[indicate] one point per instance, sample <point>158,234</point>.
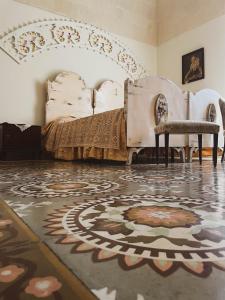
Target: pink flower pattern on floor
<point>42,287</point>
<point>161,216</point>
<point>10,273</point>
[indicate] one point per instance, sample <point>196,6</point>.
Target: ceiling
<point>149,21</point>
<point>177,16</point>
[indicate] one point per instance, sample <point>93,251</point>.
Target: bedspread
<point>101,136</point>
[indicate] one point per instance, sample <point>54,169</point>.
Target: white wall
<point>211,36</point>
<point>23,92</point>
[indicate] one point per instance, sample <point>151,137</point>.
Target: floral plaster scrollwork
<point>66,34</point>
<point>36,37</point>
<point>29,42</point>
<point>100,42</point>
<point>128,61</point>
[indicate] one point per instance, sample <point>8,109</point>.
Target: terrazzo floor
<point>140,232</point>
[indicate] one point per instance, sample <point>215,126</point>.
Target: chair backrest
<point>222,108</point>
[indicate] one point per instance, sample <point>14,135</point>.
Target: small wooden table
<point>18,142</point>
<point>187,127</point>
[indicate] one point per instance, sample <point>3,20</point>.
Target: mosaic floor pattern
<point>140,232</point>
<point>28,269</point>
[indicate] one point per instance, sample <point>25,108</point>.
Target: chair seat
<point>187,126</point>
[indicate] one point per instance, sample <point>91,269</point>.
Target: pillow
<point>66,119</point>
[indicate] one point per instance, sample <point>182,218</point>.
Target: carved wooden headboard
<point>109,96</point>
<point>140,118</point>
<point>198,104</point>
<point>68,96</point>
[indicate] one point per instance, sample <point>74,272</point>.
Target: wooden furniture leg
<point>222,158</point>
<point>166,149</point>
<point>131,151</point>
<point>215,147</point>
<point>200,148</point>
<point>172,155</point>
<point>157,147</point>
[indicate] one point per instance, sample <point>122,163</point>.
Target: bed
<point>112,122</point>
<point>85,123</point>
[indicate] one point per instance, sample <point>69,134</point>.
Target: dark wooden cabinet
<point>17,144</point>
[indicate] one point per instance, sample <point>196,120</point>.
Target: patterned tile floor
<point>29,269</point>
<point>138,232</point>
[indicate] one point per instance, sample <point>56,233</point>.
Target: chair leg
<point>166,149</point>
<point>172,155</point>
<point>222,159</point>
<point>157,147</point>
<point>215,147</point>
<point>200,148</point>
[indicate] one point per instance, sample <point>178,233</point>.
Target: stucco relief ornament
<point>37,36</point>
<point>128,61</point>
<point>29,42</point>
<point>100,42</point>
<point>65,34</point>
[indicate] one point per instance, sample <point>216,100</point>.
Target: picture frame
<point>193,66</point>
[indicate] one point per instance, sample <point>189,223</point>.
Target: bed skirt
<point>102,136</point>
<point>90,152</point>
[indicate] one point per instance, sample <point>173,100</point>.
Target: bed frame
<point>68,96</point>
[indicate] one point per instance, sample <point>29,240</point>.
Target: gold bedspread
<point>101,136</point>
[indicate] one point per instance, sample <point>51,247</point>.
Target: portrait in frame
<point>193,68</point>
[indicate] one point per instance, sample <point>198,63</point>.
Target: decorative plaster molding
<point>25,41</point>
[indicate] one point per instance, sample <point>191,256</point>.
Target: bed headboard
<point>68,96</point>
<point>198,106</point>
<point>109,96</point>
<point>141,96</point>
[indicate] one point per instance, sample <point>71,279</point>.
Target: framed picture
<point>193,66</point>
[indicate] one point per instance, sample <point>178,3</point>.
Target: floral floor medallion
<point>63,187</point>
<point>164,232</point>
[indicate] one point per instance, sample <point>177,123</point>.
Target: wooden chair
<point>187,127</point>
